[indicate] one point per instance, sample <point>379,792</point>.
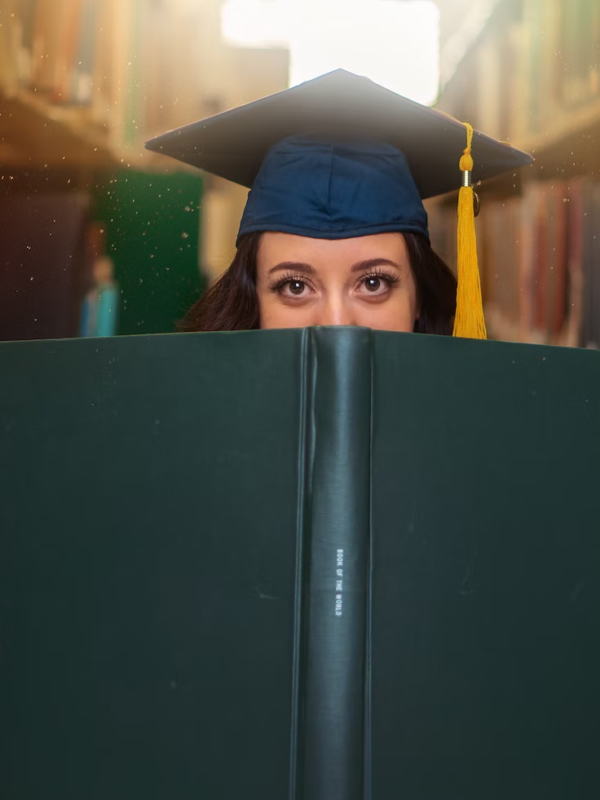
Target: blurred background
<point>100,237</point>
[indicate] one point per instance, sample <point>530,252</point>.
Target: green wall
<point>152,234</point>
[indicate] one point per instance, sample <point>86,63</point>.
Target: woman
<point>334,231</point>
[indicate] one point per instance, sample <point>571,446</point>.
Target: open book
<point>322,564</point>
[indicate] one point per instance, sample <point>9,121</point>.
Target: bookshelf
<point>83,84</point>
<point>38,134</point>
<point>76,69</point>
<point>114,73</point>
<point>532,78</point>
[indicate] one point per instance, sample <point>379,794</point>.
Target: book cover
<point>321,564</point>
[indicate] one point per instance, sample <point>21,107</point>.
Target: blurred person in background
<point>100,304</point>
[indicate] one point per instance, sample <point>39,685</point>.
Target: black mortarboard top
<point>340,156</point>
<point>234,143</point>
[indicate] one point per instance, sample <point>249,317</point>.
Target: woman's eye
<point>296,287</point>
<point>376,285</point>
<point>373,284</point>
<point>292,287</point>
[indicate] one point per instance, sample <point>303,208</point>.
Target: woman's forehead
<point>276,246</point>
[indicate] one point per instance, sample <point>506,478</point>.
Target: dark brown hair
<point>231,304</point>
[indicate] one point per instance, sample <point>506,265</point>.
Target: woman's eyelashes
<point>370,285</point>
<point>377,283</point>
<point>292,286</point>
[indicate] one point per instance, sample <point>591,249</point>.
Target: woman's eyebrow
<point>374,262</point>
<point>293,266</point>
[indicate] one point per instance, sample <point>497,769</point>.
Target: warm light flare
<point>394,43</point>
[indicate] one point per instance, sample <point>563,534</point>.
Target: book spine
<point>336,567</point>
<point>575,263</point>
<point>82,89</point>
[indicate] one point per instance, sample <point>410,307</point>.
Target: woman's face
<point>364,281</point>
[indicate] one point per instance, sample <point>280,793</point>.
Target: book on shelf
<point>82,68</point>
<point>321,564</point>
<point>45,44</point>
<point>533,73</point>
<point>562,67</point>
<point>540,263</point>
<point>68,29</point>
<point>100,56</point>
<point>591,265</point>
<point>578,24</point>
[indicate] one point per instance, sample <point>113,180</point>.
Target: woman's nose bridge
<point>337,310</point>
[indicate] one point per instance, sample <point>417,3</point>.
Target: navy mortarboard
<point>339,157</point>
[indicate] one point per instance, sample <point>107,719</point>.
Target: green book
<point>321,564</point>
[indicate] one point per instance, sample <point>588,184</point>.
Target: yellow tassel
<point>469,320</point>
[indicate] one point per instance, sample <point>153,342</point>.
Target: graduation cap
<point>340,156</point>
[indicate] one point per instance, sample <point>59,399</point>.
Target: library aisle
<point>532,78</point>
